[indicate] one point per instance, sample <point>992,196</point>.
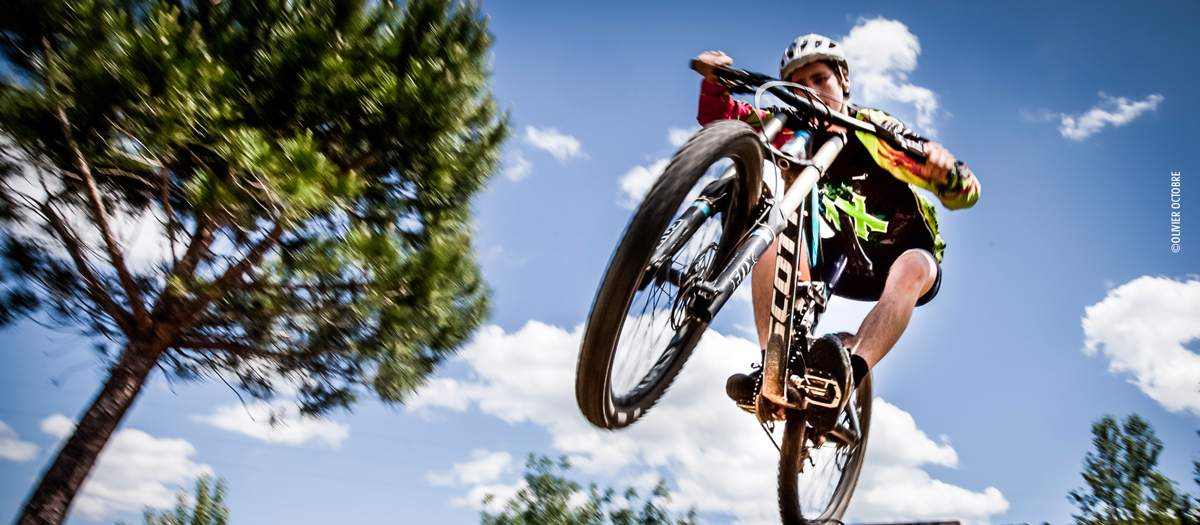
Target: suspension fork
<point>713,295</point>
<point>712,198</point>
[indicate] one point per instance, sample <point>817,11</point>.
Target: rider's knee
<point>917,266</point>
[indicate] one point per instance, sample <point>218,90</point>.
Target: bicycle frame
<point>712,295</point>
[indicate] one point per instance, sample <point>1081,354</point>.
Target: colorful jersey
<point>871,181</point>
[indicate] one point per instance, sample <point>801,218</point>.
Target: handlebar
<point>740,81</point>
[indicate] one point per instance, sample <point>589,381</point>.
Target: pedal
<point>821,389</point>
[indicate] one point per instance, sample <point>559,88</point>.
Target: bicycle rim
<point>659,323</point>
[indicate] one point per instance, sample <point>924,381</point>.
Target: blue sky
<point>1061,300</point>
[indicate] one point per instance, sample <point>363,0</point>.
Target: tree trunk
<point>49,503</point>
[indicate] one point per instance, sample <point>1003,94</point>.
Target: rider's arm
<point>717,104</point>
<point>960,190</point>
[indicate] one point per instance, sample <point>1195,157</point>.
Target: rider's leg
<point>910,277</point>
<point>762,290</point>
<point>742,387</point>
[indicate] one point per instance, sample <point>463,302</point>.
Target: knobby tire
<point>682,179</point>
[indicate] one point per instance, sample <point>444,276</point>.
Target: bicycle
<point>692,241</point>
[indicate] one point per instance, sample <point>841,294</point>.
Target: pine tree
<point>1124,487</point>
<point>546,500</point>
<point>206,507</point>
<point>309,165</point>
<point>1189,507</point>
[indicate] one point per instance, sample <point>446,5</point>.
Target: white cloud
<point>636,183</point>
<point>894,487</point>
<point>1142,327</point>
<point>881,53</point>
<point>496,494</point>
<point>58,425</point>
<point>563,147</point>
<point>135,470</point>
<point>278,422</point>
<point>11,446</point>
<point>717,455</point>
<point>484,467</point>
<point>516,167</point>
<point>679,136</point>
<point>1115,111</point>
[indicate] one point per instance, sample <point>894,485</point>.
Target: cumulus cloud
<point>484,467</point>
<point>516,167</point>
<point>636,183</point>
<point>678,136</point>
<point>135,470</point>
<point>11,446</point>
<point>1117,112</point>
<point>563,147</point>
<point>1142,327</point>
<point>894,486</point>
<point>489,497</point>
<point>716,454</point>
<point>278,422</point>
<point>881,53</point>
<point>58,425</point>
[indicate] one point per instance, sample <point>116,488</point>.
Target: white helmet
<point>808,49</point>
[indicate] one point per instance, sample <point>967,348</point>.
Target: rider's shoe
<point>828,381</point>
<point>743,388</point>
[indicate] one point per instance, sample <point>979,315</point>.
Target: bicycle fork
<point>713,295</point>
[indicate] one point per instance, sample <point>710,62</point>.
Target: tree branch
<point>169,213</point>
<point>94,285</point>
<point>233,274</point>
<point>140,315</point>
<point>363,160</point>
<point>201,240</point>
<point>231,347</point>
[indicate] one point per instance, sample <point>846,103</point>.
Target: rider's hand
<point>938,163</point>
<point>708,61</point>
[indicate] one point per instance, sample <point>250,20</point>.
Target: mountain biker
<point>875,185</point>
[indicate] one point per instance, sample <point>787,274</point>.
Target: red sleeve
<point>717,104</point>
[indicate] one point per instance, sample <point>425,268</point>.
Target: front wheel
<point>817,481</point>
<point>641,328</point>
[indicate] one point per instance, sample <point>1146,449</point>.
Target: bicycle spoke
<point>659,313</point>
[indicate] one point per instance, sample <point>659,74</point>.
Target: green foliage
<point>1189,507</point>
<point>1124,487</point>
<point>311,162</point>
<point>206,507</point>
<point>547,500</point>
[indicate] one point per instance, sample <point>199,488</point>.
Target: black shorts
<point>863,287</point>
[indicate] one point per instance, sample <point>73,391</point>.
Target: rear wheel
<point>816,482</point>
<point>641,328</point>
